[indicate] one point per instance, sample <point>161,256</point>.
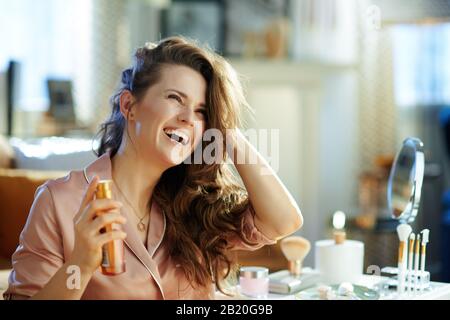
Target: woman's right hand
<point>95,215</point>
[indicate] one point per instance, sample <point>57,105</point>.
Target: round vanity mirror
<point>405,181</point>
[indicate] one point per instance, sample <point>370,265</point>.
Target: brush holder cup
<point>417,280</point>
<point>414,281</point>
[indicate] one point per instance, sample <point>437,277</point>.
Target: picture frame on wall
<point>61,100</point>
<point>248,21</point>
<point>201,20</point>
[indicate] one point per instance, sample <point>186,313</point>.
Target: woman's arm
<point>40,269</point>
<point>277,213</point>
<point>58,287</point>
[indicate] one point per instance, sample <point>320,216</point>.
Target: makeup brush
<point>425,239</point>
<point>412,237</point>
<point>295,249</point>
<point>403,231</point>
<point>416,261</point>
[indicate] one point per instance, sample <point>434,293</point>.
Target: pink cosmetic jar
<point>254,282</point>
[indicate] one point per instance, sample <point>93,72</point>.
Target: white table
<point>438,291</point>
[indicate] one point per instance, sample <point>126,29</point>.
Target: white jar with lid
<point>254,282</point>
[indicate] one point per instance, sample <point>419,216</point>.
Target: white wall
<point>339,142</point>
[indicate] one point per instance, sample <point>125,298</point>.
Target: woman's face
<point>170,119</point>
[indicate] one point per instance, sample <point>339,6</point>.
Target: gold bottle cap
<point>104,189</point>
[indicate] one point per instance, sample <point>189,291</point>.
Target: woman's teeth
<point>177,136</point>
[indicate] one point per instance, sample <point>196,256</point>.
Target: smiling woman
<point>179,220</point>
<point>175,107</point>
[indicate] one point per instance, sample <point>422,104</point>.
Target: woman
<point>179,220</point>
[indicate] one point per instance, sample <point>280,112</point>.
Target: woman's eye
<point>174,96</point>
<point>202,112</point>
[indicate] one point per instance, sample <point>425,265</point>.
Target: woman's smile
<point>177,136</point>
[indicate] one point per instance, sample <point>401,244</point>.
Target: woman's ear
<point>126,104</point>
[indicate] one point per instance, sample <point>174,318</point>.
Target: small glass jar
<point>254,282</point>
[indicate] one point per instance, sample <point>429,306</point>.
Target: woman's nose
<point>187,116</point>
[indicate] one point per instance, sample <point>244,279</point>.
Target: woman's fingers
<point>109,236</point>
<point>95,215</point>
<point>105,219</point>
<point>90,192</point>
<point>100,205</point>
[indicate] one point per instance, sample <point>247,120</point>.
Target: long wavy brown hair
<point>203,203</point>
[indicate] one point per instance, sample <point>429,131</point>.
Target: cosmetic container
<point>113,252</point>
<point>339,260</point>
<point>254,282</point>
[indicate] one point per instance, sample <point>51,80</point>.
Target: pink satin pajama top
<point>47,241</point>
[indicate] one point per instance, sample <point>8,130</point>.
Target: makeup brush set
<point>410,276</point>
